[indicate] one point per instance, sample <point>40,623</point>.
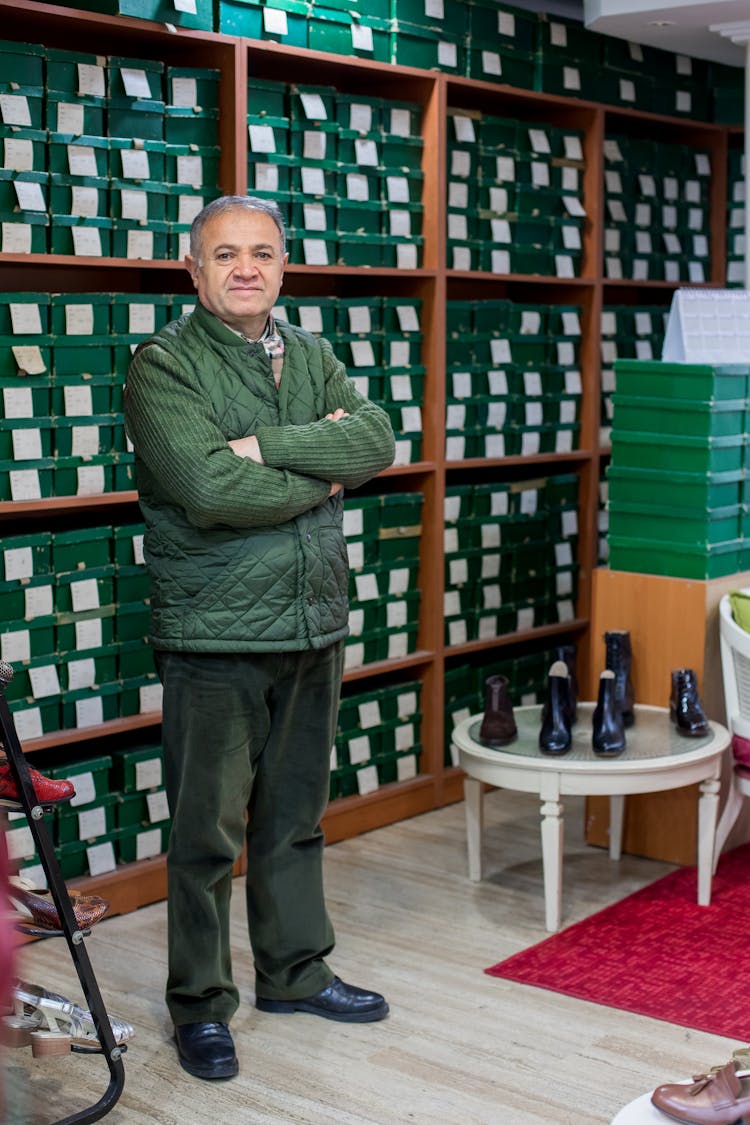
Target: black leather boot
<point>567,653</point>
<point>685,707</point>
<point>608,736</point>
<point>556,736</point>
<point>498,725</point>
<point>619,660</point>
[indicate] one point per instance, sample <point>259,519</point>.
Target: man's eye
<point>225,256</point>
<point>264,255</point>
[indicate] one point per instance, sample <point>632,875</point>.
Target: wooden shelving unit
<point>434,283</point>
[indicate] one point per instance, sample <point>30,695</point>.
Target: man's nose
<point>245,264</point>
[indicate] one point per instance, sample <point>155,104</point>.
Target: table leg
<point>552,840</point>
<point>474,802</point>
<point>616,818</point>
<point>708,807</point>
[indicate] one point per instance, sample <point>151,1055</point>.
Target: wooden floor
<point>459,1048</point>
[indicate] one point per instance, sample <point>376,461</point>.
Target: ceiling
<point>682,26</point>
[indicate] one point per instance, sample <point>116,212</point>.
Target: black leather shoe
<point>608,733</point>
<point>685,707</point>
<point>206,1050</point>
<point>337,1001</point>
<point>556,734</point>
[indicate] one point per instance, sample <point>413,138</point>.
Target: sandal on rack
<point>39,908</point>
<point>55,1024</point>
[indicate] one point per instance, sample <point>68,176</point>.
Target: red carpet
<point>658,953</point>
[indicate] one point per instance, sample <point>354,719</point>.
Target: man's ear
<point>192,267</point>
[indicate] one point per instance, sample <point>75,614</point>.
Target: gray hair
<point>234,203</point>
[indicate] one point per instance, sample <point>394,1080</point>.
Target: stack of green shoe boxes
<point>514,381</point>
<point>514,196</point>
<point>380,341</point>
<point>24,178</point>
<point>382,534</point>
<point>25,376</point>
<point>313,134</point>
<point>569,62</point>
<point>627,332</point>
<point>377,739</point>
<point>736,219</point>
<point>501,44</point>
<point>344,28</point>
<point>430,34</point>
<point>197,14</point>
<point>657,211</point>
<point>728,86</point>
<point>677,473</point>
<point>464,688</point>
<point>141,811</point>
<point>510,555</point>
<point>278,21</point>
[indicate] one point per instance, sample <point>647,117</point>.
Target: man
<point>246,431</point>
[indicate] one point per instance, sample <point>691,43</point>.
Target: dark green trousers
<point>249,733</point>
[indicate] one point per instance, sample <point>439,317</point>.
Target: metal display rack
<point>73,934</point>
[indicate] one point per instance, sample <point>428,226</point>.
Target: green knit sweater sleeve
<point>178,439</point>
<point>350,451</point>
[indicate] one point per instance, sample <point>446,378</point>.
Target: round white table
<point>656,758</point>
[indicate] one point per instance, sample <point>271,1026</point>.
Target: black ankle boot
<point>619,660</point>
<point>498,725</point>
<point>685,707</point>
<point>556,736</point>
<point>608,736</point>
<point>567,653</point>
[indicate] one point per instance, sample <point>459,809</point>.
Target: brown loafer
<point>717,1098</point>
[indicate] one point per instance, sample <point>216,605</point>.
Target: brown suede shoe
<point>718,1098</point>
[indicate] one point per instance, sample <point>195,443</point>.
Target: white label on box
<point>525,618</point>
<point>564,582</point>
<point>532,383</point>
<point>359,749</point>
<point>315,251</point>
<point>458,227</point>
<point>18,402</point>
<point>314,216</point>
<point>311,318</point>
<point>613,267</point>
<point>499,503</point>
<point>367,780</point>
<point>462,384</point>
<point>404,737</point>
<point>506,24</point>
<point>29,358</point>
<point>134,204</point>
<point>313,145</point>
<point>434,9</point>
<point>696,272</point>
<point>266,179</point>
<point>141,318</point>
<point>496,415</point>
<point>460,163</point>
<point>44,681</point>
<point>84,595</point>
<point>89,712</point>
<point>613,182</point>
<point>612,151</point>
<point>87,242</point>
<point>262,138</point>
<point>573,206</point>
<point>396,614</point>
<point>407,318</point>
<point>399,223</point>
<point>18,155</point>
<point>84,201</point>
<point>558,34</point>
<point>91,80</point>
<point>501,231</point>
<point>20,843</point>
<point>101,858</point>
<point>494,445</point>
<point>703,164</point>
<point>18,563</point>
<point>360,117</point>
<point>643,242</point>
<point>400,122</point>
<point>455,416</point>
<point>491,63</point>
<point>92,823</point>
<point>500,351</point>
<point>458,196</point>
<point>27,445</point>
<point>77,400</point>
<point>533,414</point>
<point>362,39</point>
<point>566,353</point>
<point>25,318</point>
<point>84,441</point>
<point>564,441</point>
<point>695,218</point>
<point>564,266</point>
<point>411,419</point>
<point>627,90</point>
<point>447,54</point>
<point>539,141</point>
<point>314,107</point>
<point>135,164</point>
<point>275,21</point>
<point>14,110</point>
<point>85,788</point>
<point>464,129</point>
<point>406,256</point>
<point>457,634</point>
<point>30,196</point>
<point>572,147</point>
<point>82,160</point>
<point>357,186</point>
<point>369,716</point>
<point>88,633</point>
<point>692,191</point>
<point>24,485</point>
<point>190,170</point>
<point>28,723</point>
<point>150,697</point>
<point>188,6</point>
<point>148,774</point>
<point>401,390</point>
<point>539,173</point>
<point>360,319</point>
<point>571,180</point>
<point>398,581</point>
<point>158,806</point>
<point>500,261</point>
<point>185,92</point>
<point>529,444</point>
<point>135,82</point>
<point>366,153</point>
<point>356,555</point>
<point>313,181</point>
<point>81,673</point>
<point>353,521</point>
<point>450,540</point>
<point>571,78</point>
<point>499,200</point>
<point>140,244</point>
<point>398,645</point>
<point>672,243</point>
<point>354,655</point>
<point>683,101</point>
<point>458,570</point>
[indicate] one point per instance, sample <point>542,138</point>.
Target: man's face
<point>238,275</point>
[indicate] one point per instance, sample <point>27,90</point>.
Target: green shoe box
<point>95,857</point>
<point>90,777</point>
<point>86,669</point>
<point>313,248</point>
<point>135,659</point>
<point>91,629</point>
<point>427,48</point>
<point>486,63</point>
<point>76,476</point>
<point>135,117</point>
<point>137,79</point>
<point>141,160</point>
<point>89,707</point>
<point>32,481</point>
<point>682,381</point>
<point>359,112</point>
<point>512,28</point>
<point>715,525</point>
<point>134,844</point>
<point>25,396</point>
<point>315,314</point>
<point>24,313</point>
<point>23,107</point>
<point>123,478</point>
<point>73,357</point>
<point>137,315</point>
<point>82,549</point>
<point>197,165</point>
<point>132,583</point>
<point>280,21</point>
<point>141,695</point>
<point>133,621</point>
<point>128,544</point>
<point>81,236</point>
<point>137,769</point>
<point>79,314</point>
<point>349,33</point>
<point>192,87</point>
<point>186,125</point>
<point>75,155</point>
<point>23,232</point>
<point>132,239</point>
<point>86,822</point>
<point>25,439</point>
<point>76,74</point>
<point>706,418</point>
<point>360,219</point>
<point>82,590</point>
<point>141,203</point>
<point>265,96</point>
<point>697,492</point>
<point>450,15</point>
<point>678,453</point>
<point>21,64</point>
<point>676,560</point>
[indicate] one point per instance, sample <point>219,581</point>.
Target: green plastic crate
<point>682,381</point>
<point>675,560</point>
<point>677,453</point>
